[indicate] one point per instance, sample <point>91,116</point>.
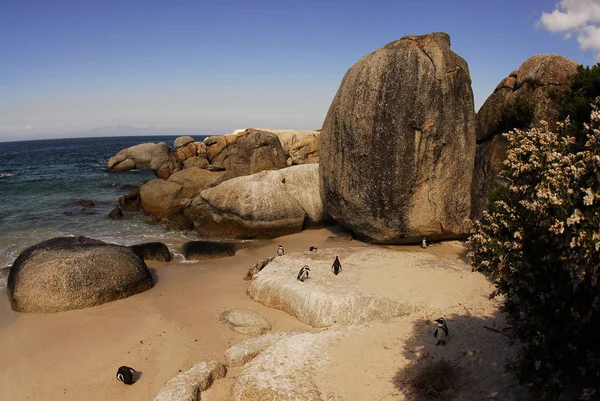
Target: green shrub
<point>516,115</point>
<point>540,244</point>
<point>576,103</point>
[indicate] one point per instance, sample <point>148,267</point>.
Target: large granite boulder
<point>246,153</point>
<point>195,179</point>
<point>158,156</point>
<point>72,273</point>
<point>182,141</point>
<point>300,146</point>
<point>152,251</point>
<point>161,198</point>
<point>203,249</point>
<point>398,143</point>
<point>264,205</point>
<point>533,89</point>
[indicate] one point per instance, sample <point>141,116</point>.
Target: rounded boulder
<point>68,273</point>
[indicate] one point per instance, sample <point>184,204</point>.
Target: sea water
<point>41,182</point>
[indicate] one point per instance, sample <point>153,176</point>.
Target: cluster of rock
<point>402,154</point>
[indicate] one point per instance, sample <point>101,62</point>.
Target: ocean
<point>41,182</point>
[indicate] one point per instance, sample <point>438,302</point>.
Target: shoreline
<point>74,355</point>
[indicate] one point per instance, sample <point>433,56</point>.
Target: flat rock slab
<point>376,283</point>
<point>285,370</point>
<point>187,385</point>
<point>242,353</point>
<point>246,322</point>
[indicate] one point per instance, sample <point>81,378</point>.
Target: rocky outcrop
<point>195,179</point>
<point>199,250</point>
<point>246,153</point>
<point>285,371</point>
<point>115,214</point>
<point>258,266</point>
<point>182,141</point>
<point>398,143</point>
<point>73,273</point>
<point>523,99</point>
<point>131,202</point>
<point>242,353</point>
<point>158,156</point>
<point>245,322</point>
<point>264,205</point>
<point>152,251</point>
<point>187,385</point>
<point>161,198</point>
<point>326,299</point>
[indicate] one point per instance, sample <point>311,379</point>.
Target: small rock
<point>131,202</point>
<point>85,203</point>
<point>152,251</point>
<point>245,322</point>
<point>115,214</point>
<point>197,250</point>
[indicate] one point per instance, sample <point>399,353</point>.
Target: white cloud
<point>578,18</point>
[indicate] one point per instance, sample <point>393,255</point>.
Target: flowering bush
<point>540,243</point>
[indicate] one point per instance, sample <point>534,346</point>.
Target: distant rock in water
<point>398,143</point>
<point>521,100</point>
<point>72,273</point>
<point>198,250</point>
<point>158,156</point>
<point>131,202</point>
<point>152,251</point>
<point>85,203</point>
<point>115,214</point>
<point>129,187</point>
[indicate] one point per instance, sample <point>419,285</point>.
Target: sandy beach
<point>74,355</point>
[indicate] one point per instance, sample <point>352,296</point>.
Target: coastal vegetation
<point>540,245</point>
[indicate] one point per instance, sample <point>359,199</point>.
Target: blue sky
<point>214,66</point>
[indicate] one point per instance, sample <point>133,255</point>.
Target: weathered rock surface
<point>300,146</point>
<point>326,299</point>
<point>161,198</point>
<point>245,322</point>
<point>72,273</point>
<point>187,385</point>
<point>131,202</point>
<point>195,179</point>
<point>258,266</point>
<point>264,205</point>
<point>398,143</point>
<point>244,352</point>
<point>182,141</point>
<point>115,214</point>
<point>340,237</point>
<point>246,153</point>
<point>198,250</point>
<point>282,372</point>
<point>152,251</point>
<point>538,83</point>
<point>158,156</point>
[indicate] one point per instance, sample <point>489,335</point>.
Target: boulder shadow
<point>471,366</point>
<point>155,279</point>
<point>137,375</point>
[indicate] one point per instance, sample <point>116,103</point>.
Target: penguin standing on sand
<point>424,243</point>
<point>125,374</point>
<point>303,273</point>
<point>441,332</point>
<point>280,251</point>
<point>313,249</point>
<point>337,266</point>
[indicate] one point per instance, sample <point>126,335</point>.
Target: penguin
<point>125,374</point>
<point>441,335</point>
<point>313,249</point>
<point>303,273</point>
<point>280,251</point>
<point>424,243</point>
<point>337,266</point>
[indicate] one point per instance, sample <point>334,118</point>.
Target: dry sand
<point>74,355</point>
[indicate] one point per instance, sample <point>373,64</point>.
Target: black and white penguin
<point>280,251</point>
<point>313,249</point>
<point>125,374</point>
<point>337,266</point>
<point>303,273</point>
<point>424,243</point>
<point>441,332</point>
